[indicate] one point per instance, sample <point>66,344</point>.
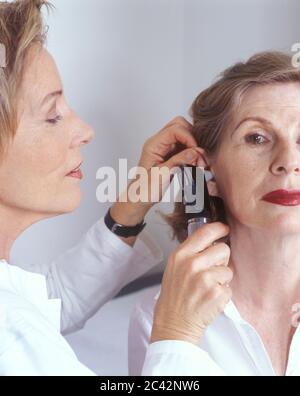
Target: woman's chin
<point>285,222</point>
<point>72,205</point>
<point>67,203</point>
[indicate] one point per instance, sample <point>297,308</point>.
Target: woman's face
<point>46,148</point>
<point>258,154</point>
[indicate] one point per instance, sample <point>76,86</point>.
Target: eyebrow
<point>262,120</point>
<point>51,96</point>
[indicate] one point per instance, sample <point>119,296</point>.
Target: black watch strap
<point>121,230</point>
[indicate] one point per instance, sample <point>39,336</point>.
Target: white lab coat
<point>34,307</point>
<point>95,270</point>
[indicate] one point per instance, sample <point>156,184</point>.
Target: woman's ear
<point>212,186</point>
<point>211,183</point>
<point>206,162</point>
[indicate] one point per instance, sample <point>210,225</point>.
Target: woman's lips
<point>283,197</point>
<point>76,173</point>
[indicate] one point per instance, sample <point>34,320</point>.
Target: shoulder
<point>16,321</point>
<point>21,319</point>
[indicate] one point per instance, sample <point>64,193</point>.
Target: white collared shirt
<point>30,339</point>
<point>230,346</point>
<point>33,306</point>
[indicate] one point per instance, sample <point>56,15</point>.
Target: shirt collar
<point>232,313</point>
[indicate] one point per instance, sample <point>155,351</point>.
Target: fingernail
<point>201,163</point>
<point>190,155</point>
<point>199,149</point>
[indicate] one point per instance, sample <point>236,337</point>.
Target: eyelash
<point>55,120</point>
<point>248,139</point>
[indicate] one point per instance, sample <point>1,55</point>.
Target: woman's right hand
<point>195,287</point>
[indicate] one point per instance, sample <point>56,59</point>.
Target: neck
<point>13,222</point>
<point>266,268</point>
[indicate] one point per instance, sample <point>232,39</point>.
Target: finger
<point>185,157</point>
<point>216,254</point>
<point>222,275</point>
<point>221,294</point>
<point>213,257</point>
<point>168,169</point>
<point>177,134</point>
<point>201,159</point>
<point>203,237</point>
<point>216,275</point>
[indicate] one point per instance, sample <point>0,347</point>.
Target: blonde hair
<point>213,108</point>
<point>21,26</point>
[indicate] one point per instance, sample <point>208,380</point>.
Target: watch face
<point>115,227</point>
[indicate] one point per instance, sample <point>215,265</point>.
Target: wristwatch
<point>121,230</point>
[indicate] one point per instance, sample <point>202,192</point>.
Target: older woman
<point>248,125</point>
<point>40,141</point>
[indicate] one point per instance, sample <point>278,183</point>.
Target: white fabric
<point>102,345</point>
<point>82,279</point>
<point>230,346</point>
<point>95,270</point>
<point>30,340</point>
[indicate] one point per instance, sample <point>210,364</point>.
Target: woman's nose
<point>84,133</point>
<point>287,161</point>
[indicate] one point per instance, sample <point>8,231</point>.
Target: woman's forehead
<point>40,77</point>
<point>272,95</point>
<point>271,105</point>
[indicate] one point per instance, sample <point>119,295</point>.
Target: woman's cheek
<point>51,156</point>
<point>234,185</point>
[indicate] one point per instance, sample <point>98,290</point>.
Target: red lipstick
<point>283,197</point>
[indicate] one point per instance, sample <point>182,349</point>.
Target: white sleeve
<point>95,270</point>
<point>181,358</point>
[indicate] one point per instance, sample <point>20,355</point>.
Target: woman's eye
<point>55,120</point>
<point>255,139</point>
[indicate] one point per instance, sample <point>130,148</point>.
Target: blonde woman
<point>40,140</point>
<point>247,125</point>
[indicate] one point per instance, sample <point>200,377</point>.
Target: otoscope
<point>195,197</point>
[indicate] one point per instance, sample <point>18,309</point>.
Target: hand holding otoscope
<point>195,284</point>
